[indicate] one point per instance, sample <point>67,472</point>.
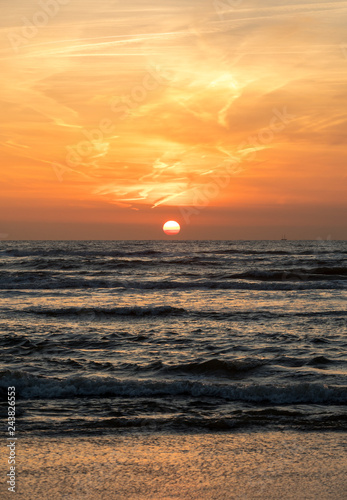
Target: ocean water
<point>174,336</point>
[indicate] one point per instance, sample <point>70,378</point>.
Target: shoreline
<point>209,466</point>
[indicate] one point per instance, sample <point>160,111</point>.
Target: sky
<point>228,116</point>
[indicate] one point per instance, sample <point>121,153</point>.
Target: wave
<point>216,367</point>
<point>81,252</point>
<point>269,417</point>
<point>236,251</point>
<point>272,418</point>
<point>304,274</point>
<point>293,252</point>
<point>29,386</point>
<point>43,263</point>
<point>102,267</point>
<point>319,360</point>
<point>296,362</point>
<point>186,252</point>
<point>140,311</point>
<point>108,311</point>
<point>41,281</point>
<point>212,367</point>
<point>48,267</point>
<point>88,253</point>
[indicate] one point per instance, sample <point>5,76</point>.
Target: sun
<point>171,227</point>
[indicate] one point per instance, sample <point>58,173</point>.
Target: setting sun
<point>171,227</point>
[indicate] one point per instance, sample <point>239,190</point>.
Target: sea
<point>101,337</point>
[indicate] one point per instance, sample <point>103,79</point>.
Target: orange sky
<point>227,116</point>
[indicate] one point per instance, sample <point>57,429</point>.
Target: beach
<point>223,466</point>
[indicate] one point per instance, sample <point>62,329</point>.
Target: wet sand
<point>271,465</point>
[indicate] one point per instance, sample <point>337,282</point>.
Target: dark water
<point>177,336</point>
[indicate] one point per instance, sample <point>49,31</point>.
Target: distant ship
<point>283,238</point>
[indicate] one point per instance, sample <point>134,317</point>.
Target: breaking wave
<point>31,386</point>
